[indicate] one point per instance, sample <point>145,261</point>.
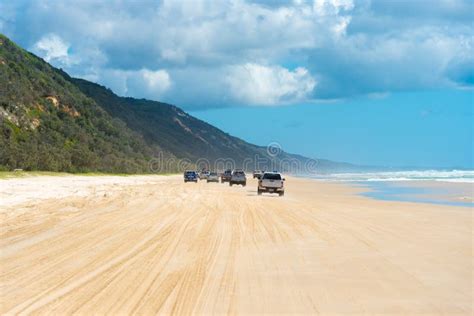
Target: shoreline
<point>426,192</point>
<point>434,192</point>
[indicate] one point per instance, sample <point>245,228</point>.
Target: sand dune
<point>149,245</point>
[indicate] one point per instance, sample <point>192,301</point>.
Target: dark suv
<point>190,176</point>
<point>226,175</point>
<point>257,174</point>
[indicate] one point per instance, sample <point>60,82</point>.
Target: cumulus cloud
<point>53,48</point>
<point>331,7</point>
<point>264,85</point>
<point>143,83</point>
<point>238,52</point>
<point>156,80</point>
<point>150,83</point>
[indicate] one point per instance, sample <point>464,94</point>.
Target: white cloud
<point>173,55</point>
<point>143,83</point>
<point>52,47</point>
<point>348,47</point>
<point>157,81</point>
<point>264,85</point>
<point>324,7</point>
<point>193,32</point>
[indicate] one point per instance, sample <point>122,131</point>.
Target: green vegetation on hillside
<point>169,127</point>
<point>46,123</point>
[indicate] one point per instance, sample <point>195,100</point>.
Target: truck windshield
<point>272,176</point>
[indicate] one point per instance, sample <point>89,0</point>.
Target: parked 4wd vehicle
<point>213,177</point>
<point>203,175</point>
<point>271,182</point>
<point>238,177</point>
<point>257,174</point>
<point>190,176</point>
<point>226,175</point>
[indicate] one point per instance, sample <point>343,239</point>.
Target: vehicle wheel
<point>244,184</point>
<point>281,193</point>
<point>230,183</point>
<point>259,192</point>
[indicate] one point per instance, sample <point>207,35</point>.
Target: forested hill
<point>169,127</point>
<point>47,123</point>
<point>50,121</point>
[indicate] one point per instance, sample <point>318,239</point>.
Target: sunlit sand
<point>149,244</point>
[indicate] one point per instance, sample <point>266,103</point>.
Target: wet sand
<point>445,191</point>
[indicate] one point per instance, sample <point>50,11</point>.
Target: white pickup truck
<point>271,182</point>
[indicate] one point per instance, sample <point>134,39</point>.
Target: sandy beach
<point>152,244</point>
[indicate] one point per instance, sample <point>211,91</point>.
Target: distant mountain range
<point>51,121</point>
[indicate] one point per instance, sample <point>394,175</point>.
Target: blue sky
<point>370,82</point>
<point>409,129</point>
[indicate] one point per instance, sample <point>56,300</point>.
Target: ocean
<point>446,187</point>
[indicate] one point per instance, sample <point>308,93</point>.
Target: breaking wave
<point>461,176</point>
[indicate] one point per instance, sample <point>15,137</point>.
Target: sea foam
<point>460,176</point>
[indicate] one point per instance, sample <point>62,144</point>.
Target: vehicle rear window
<point>190,173</point>
<point>272,176</point>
